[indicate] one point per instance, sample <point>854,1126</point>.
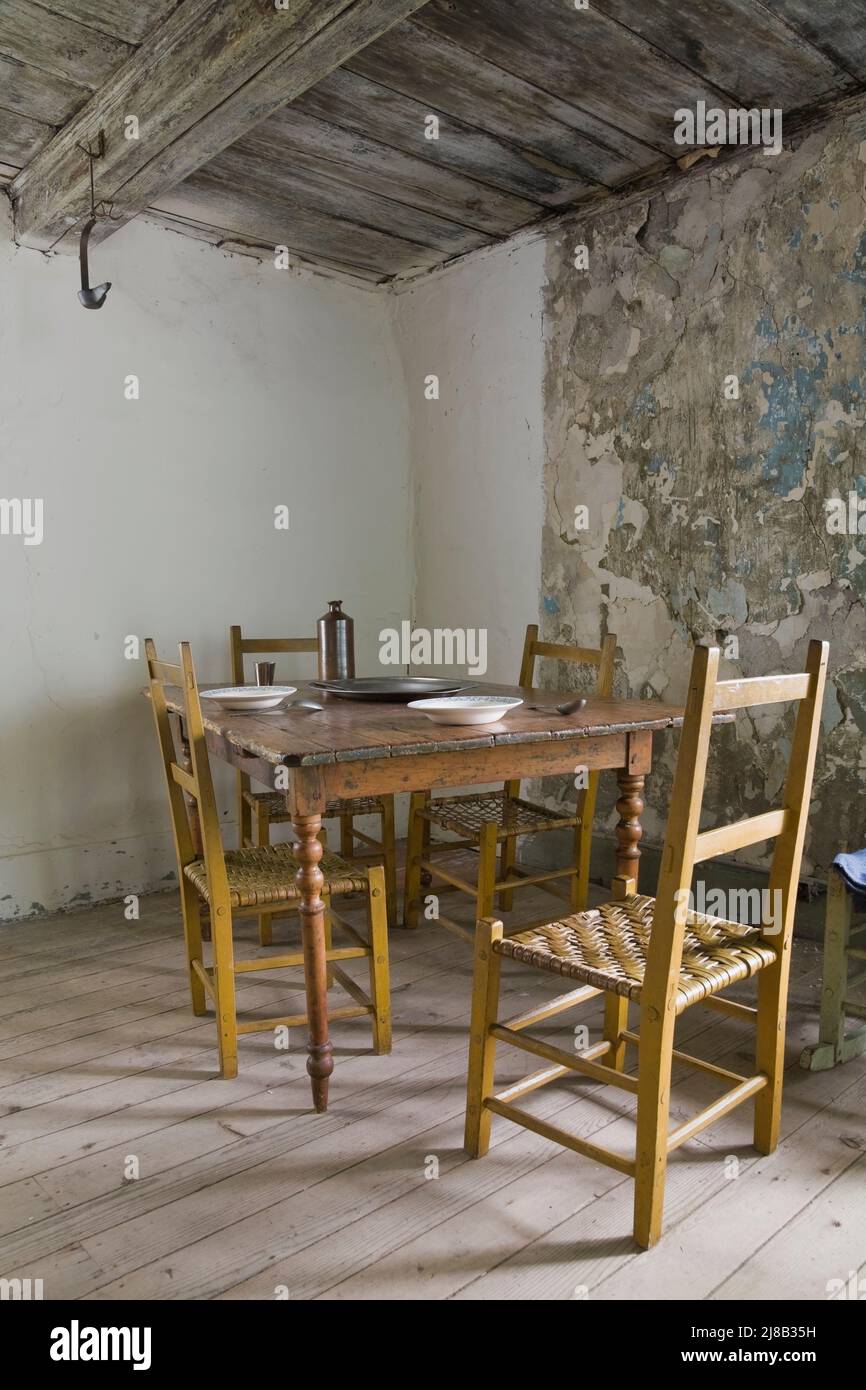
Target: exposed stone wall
<point>706,515</point>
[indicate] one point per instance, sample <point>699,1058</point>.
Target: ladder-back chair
<point>664,957</point>
<point>253,880</point>
<point>491,822</point>
<point>269,808</point>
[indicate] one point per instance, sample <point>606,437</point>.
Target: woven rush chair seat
<point>467,815</point>
<point>265,875</point>
<point>275,805</point>
<point>607,947</point>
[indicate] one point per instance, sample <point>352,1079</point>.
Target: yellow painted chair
<point>256,880</point>
<point>491,822</point>
<point>269,808</point>
<point>658,954</point>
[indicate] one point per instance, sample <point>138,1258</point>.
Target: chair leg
<point>414,848</point>
<point>329,933</point>
<point>263,837</point>
<point>426,837</point>
<point>224,988</point>
<point>583,844</point>
<point>482,1047</point>
<point>507,860</point>
<point>615,1005</point>
<point>579,885</point>
<point>653,1106</point>
<point>245,817</point>
<point>190,905</point>
<point>487,847</point>
<point>380,984</point>
<point>770,1048</point>
<point>389,854</point>
<point>347,838</point>
<point>615,1023</point>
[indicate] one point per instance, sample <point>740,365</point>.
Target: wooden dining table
<point>364,748</point>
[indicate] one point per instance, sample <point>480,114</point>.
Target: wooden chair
<point>269,808</point>
<point>257,880</point>
<point>835,1044</point>
<point>487,820</point>
<point>659,954</point>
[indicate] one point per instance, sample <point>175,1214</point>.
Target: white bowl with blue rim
<point>249,697</point>
<point>467,709</point>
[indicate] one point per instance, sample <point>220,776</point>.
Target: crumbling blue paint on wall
<point>704,398</point>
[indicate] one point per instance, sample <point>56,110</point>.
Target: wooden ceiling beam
<point>206,75</point>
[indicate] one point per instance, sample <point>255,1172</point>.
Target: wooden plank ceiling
<point>306,126</point>
<point>54,57</point>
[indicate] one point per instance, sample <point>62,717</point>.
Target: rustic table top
<point>346,730</point>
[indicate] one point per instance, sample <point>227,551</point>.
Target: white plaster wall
<point>257,388</point>
<point>477,452</point>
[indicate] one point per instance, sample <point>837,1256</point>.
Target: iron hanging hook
<point>91,298</point>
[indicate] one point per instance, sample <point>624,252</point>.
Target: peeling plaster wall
<point>258,388</point>
<point>706,515</point>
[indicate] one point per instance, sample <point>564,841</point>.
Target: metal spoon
<point>570,708</point>
<point>303,705</point>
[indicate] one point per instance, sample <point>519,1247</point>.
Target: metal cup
<point>265,672</point>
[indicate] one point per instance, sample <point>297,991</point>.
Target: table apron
<point>308,788</point>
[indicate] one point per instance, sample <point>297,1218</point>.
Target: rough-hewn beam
<point>209,73</point>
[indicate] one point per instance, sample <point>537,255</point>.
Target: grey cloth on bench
<point>852,870</point>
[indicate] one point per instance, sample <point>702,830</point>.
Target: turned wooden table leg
<point>320,1062</point>
<point>628,828</point>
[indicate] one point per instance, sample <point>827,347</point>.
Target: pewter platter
<point>390,687</point>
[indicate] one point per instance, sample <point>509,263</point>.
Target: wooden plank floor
<point>129,1170</point>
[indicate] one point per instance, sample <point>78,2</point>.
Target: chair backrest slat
<point>685,846</point>
<point>760,690</point>
<point>241,646</point>
<point>563,651</point>
<point>725,839</point>
<point>279,644</point>
<point>166,672</point>
<point>184,779</point>
<point>602,657</point>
